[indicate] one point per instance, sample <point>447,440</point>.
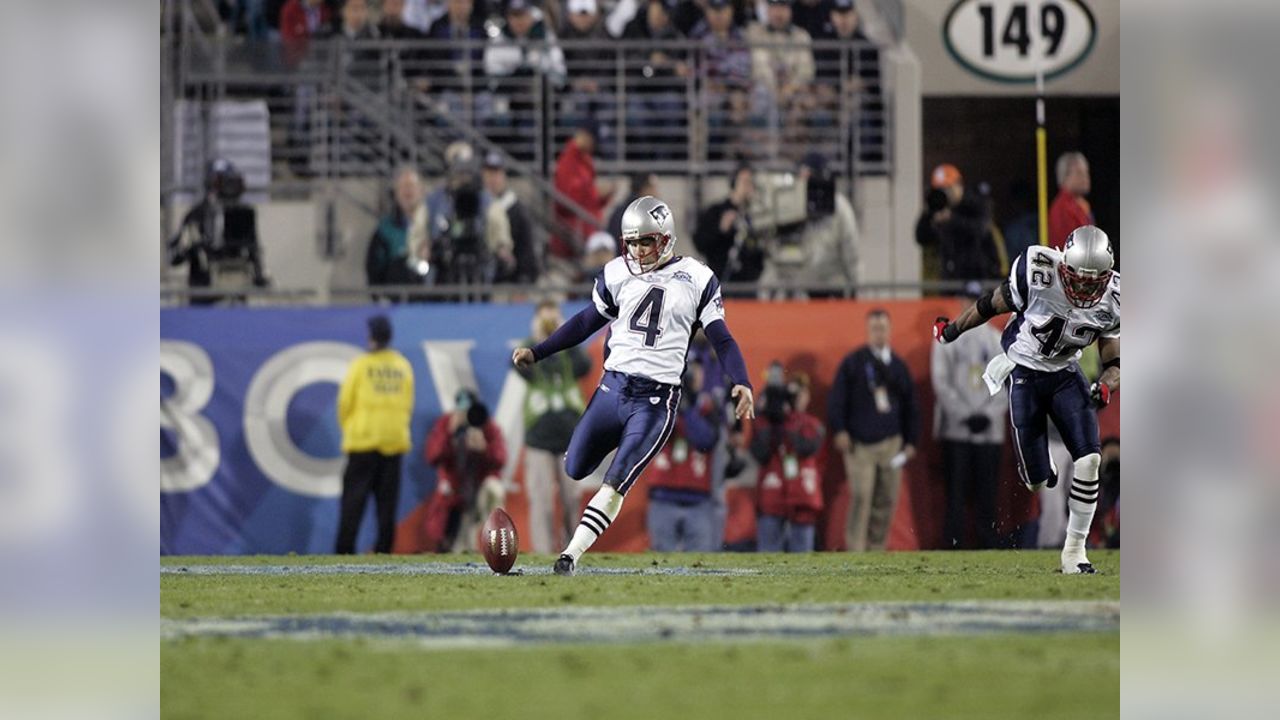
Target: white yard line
<point>683,624</point>
<point>429,568</point>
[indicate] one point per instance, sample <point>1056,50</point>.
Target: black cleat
<point>1083,568</point>
<point>564,565</point>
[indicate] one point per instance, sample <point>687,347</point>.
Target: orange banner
<point>814,337</point>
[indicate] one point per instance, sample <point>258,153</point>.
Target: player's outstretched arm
<point>574,331</point>
<point>1109,381</point>
<point>734,366</point>
<point>997,302</point>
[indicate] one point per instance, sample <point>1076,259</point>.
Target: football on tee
<point>499,541</point>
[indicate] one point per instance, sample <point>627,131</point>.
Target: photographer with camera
<point>824,251</point>
<point>724,233</point>
<point>954,231</point>
<point>681,513</point>
<point>457,240</point>
<point>790,483</point>
<point>468,452</point>
<point>218,238</point>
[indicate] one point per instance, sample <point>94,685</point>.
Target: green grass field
<point>402,637</point>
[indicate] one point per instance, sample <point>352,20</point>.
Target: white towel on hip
<point>997,372</point>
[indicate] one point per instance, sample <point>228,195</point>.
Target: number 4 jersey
<point>1049,331</point>
<point>655,315</point>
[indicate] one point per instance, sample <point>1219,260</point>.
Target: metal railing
<point>340,108</point>
<point>177,296</point>
<point>358,108</point>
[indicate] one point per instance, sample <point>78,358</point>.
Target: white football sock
<point>1082,501</point>
<point>600,512</point>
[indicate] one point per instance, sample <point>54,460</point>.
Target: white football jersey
<point>655,315</point>
<point>1049,332</point>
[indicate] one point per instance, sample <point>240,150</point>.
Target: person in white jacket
<point>971,424</point>
<point>524,45</point>
<point>826,249</point>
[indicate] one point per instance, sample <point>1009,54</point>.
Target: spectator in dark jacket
<point>953,230</point>
<point>456,69</point>
<point>364,63</point>
<point>811,15</point>
<point>392,25</point>
<point>657,85</point>
<point>725,73</point>
<point>411,63</point>
<point>724,235</point>
<point>521,56</point>
<point>459,25</point>
<point>387,260</point>
<point>874,423</point>
<point>686,15</point>
<point>592,65</point>
<point>849,76</point>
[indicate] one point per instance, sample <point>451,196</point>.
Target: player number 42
<point>1052,342</point>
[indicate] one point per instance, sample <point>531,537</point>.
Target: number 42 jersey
<point>1049,332</point>
<point>655,315</point>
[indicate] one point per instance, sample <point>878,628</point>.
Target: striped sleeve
<point>710,304</point>
<point>603,297</point>
<point>1018,282</point>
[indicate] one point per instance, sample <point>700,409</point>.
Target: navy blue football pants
<point>633,414</point>
<point>1036,396</point>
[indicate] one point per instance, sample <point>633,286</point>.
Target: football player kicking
<point>653,302</point>
<point>1064,301</point>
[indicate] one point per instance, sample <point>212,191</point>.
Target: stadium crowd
<point>474,229</point>
<point>758,64</point>
<point>759,68</point>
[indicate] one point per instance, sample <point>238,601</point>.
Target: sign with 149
<point>1011,40</point>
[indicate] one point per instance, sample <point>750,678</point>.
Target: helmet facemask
<point>646,252</point>
<point>1084,288</point>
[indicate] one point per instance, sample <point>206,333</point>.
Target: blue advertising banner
<point>250,447</point>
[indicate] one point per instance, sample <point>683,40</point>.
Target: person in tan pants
<point>874,424</point>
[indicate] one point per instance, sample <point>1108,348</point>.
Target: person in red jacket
<point>790,482</point>
<point>301,20</point>
<point>575,177</point>
<point>681,515</point>
<point>1070,209</point>
<point>468,452</point>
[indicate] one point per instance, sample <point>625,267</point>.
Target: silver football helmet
<point>648,232</point>
<point>1086,265</point>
